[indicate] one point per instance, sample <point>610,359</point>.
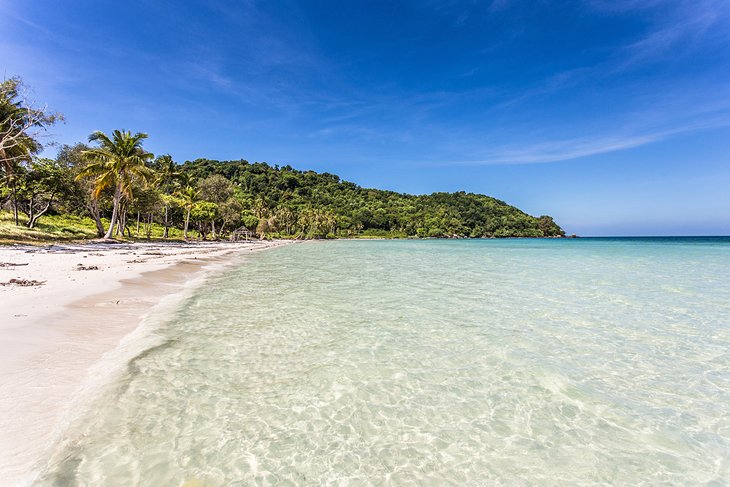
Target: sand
<point>53,336</point>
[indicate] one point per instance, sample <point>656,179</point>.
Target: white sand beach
<point>52,335</point>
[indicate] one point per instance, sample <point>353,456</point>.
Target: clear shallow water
<point>508,362</point>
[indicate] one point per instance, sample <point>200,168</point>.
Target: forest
<point>126,191</point>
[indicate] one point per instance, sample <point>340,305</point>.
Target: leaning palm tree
<point>117,163</point>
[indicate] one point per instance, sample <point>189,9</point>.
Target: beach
<point>55,332</point>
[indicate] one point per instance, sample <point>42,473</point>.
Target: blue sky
<point>611,115</point>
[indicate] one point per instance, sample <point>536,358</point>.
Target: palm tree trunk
<point>137,223</point>
<point>115,211</point>
<point>164,233</point>
<point>187,221</point>
<point>212,226</point>
<point>122,220</point>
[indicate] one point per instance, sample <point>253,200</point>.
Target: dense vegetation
<point>319,204</point>
<point>115,178</point>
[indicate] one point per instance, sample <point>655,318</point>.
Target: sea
<point>588,361</point>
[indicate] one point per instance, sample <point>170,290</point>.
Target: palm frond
<point>102,182</point>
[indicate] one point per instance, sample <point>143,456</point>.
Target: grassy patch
<point>48,229</point>
<point>71,228</point>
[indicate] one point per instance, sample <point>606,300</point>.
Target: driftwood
<point>81,267</point>
<point>11,264</point>
<point>23,282</point>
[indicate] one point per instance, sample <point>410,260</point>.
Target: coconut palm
<point>167,175</point>
<point>185,179</point>
<point>117,163</point>
<point>189,196</point>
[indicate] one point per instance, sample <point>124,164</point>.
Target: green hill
<point>320,204</point>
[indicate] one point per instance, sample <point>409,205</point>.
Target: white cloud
<point>574,148</point>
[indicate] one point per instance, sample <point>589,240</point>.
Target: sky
<point>613,116</point>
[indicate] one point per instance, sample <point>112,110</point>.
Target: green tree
<point>43,182</point>
<point>249,220</point>
<point>148,201</point>
<point>204,212</point>
<point>548,227</point>
<point>215,189</point>
<point>230,212</point>
<point>189,197</point>
<point>82,192</point>
<point>118,162</point>
<point>168,176</point>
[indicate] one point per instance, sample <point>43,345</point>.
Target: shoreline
<point>58,338</point>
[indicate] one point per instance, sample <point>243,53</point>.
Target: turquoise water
<point>498,362</point>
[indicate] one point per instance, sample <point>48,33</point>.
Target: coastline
<point>56,336</point>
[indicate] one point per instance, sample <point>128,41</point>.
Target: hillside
<point>290,199</point>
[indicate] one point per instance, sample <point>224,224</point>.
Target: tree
<point>217,190</point>
<point>202,212</point>
<point>285,219</point>
<point>117,163</point>
<point>230,212</point>
<point>548,227</point>
<point>147,202</point>
<point>42,183</point>
<point>264,227</point>
<point>189,196</point>
<point>81,194</point>
<point>168,176</point>
<point>249,220</point>
<point>21,126</point>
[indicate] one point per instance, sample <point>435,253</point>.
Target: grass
<point>72,228</point>
<point>50,228</point>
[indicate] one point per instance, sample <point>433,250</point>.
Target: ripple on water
<point>429,363</point>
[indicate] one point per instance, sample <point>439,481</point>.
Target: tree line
<point>118,184</point>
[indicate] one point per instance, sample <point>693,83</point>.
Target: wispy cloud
<point>675,33</point>
<point>462,11</point>
<point>563,150</point>
<point>586,146</point>
<point>647,110</point>
<point>9,13</point>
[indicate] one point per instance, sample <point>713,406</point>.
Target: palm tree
<point>190,196</point>
<point>117,163</point>
<point>185,179</point>
<point>167,175</point>
<point>286,218</point>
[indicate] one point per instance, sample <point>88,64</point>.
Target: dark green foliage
<point>310,204</point>
<point>40,183</point>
